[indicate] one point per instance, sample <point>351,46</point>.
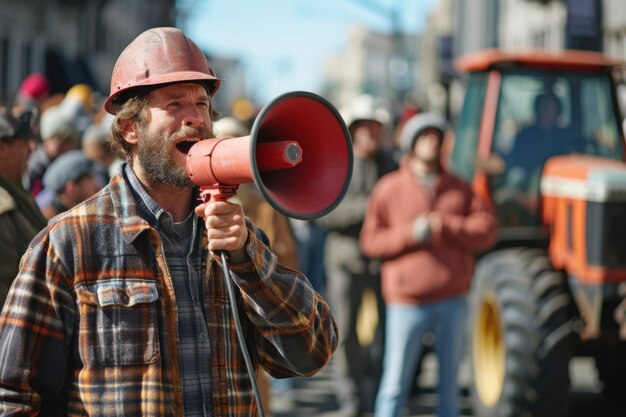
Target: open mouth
<point>185,145</point>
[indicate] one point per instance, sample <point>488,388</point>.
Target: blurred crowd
<point>54,154</point>
<point>70,158</point>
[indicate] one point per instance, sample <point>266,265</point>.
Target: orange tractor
<point>540,138</point>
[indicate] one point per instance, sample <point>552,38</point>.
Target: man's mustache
<point>192,132</point>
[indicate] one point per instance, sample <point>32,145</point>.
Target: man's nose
<point>193,117</point>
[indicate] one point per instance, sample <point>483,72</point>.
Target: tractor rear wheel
<point>521,336</point>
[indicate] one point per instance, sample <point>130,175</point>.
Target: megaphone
<point>298,153</point>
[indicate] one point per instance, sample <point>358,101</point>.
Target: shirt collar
<point>146,206</point>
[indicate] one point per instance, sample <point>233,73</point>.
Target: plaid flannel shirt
<point>89,327</point>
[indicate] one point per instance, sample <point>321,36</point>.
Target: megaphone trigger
<point>219,192</point>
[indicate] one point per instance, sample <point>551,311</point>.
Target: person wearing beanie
<point>20,218</point>
<point>71,179</point>
<point>425,225</point>
<point>59,135</point>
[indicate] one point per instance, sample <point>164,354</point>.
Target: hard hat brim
<point>210,81</point>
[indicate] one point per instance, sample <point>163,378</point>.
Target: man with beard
<point>120,307</point>
<point>425,225</point>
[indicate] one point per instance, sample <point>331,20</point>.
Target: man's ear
<point>129,130</point>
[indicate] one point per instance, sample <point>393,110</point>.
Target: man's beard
<point>153,153</point>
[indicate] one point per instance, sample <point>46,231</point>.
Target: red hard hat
<point>159,56</point>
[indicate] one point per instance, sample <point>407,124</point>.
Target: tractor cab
<point>520,110</point>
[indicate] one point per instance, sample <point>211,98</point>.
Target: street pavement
<point>315,396</point>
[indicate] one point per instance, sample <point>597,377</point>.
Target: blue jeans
<point>406,326</point>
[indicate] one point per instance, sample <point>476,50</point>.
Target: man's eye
<point>173,104</point>
<point>203,104</point>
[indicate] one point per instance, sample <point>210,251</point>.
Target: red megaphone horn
<point>299,155</point>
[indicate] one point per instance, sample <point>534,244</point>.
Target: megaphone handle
<point>219,192</point>
<point>238,329</point>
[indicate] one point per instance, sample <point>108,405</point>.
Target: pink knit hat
<point>35,87</point>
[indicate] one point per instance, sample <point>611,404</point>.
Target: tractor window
<point>468,127</point>
<point>598,117</point>
<point>517,110</point>
<point>540,115</point>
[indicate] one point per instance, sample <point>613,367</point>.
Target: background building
<point>475,24</point>
<point>373,63</point>
<point>544,24</point>
<point>71,41</point>
<point>614,28</point>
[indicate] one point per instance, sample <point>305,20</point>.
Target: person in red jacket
<point>426,226</point>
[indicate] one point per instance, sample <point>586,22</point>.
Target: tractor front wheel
<point>520,336</point>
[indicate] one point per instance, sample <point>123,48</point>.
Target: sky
<point>284,44</point>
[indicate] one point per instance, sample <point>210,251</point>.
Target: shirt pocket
<point>118,323</point>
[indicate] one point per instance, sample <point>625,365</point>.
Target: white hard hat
<point>367,107</point>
